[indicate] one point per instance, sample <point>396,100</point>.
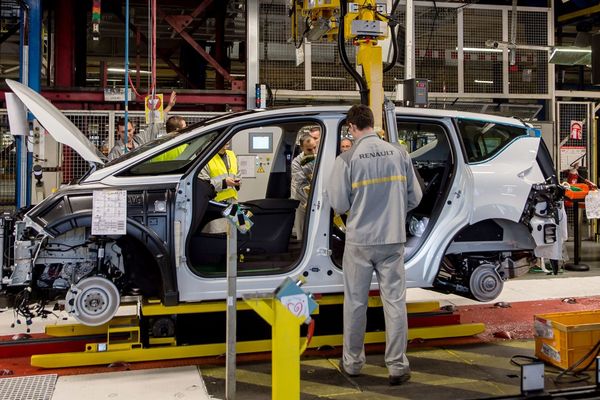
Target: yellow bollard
<point>285,346</point>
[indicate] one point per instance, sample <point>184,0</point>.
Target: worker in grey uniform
<point>376,184</point>
<point>302,168</point>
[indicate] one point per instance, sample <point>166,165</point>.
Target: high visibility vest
<point>218,171</point>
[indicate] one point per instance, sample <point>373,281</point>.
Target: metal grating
<point>436,47</point>
<point>486,71</point>
<point>529,75</point>
<point>324,77</point>
<point>95,126</point>
<point>532,28</point>
<point>277,56</point>
<point>37,387</point>
<point>482,67</point>
<point>8,165</point>
<point>567,112</point>
<point>396,75</point>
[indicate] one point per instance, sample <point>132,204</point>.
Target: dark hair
<point>174,123</point>
<point>121,122</point>
<point>305,137</point>
<point>361,116</point>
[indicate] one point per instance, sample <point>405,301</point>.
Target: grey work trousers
<point>388,263</point>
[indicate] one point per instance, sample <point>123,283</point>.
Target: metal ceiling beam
<point>214,97</point>
<point>586,12</point>
<point>180,22</point>
<point>161,54</point>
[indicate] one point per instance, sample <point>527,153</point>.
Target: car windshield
<point>157,142</point>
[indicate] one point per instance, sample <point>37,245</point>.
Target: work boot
<point>343,370</point>
<point>396,380</point>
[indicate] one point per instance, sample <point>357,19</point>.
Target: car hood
<point>55,122</point>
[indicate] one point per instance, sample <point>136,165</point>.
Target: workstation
<point>305,199</point>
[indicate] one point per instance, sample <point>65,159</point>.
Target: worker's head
<point>315,133</point>
<point>360,117</point>
<point>308,145</point>
<point>225,147</point>
<point>345,144</point>
<point>121,129</point>
<point>175,123</point>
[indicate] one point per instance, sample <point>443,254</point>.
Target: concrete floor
<point>443,371</point>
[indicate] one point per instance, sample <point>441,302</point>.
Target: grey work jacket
<point>301,179</point>
<point>374,181</point>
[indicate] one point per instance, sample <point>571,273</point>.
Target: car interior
<point>264,155</point>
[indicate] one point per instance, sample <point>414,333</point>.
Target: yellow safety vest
<point>218,171</point>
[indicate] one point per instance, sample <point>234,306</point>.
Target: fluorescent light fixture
<point>482,49</point>
<point>328,78</point>
<point>485,82</point>
<point>122,70</point>
<point>571,50</point>
<point>570,55</point>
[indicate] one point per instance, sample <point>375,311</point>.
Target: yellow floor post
<point>285,346</point>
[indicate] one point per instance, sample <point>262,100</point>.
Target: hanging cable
<point>393,24</point>
<point>362,84</point>
<point>126,73</point>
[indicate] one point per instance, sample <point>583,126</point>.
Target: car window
<point>425,142</point>
<point>175,159</point>
<point>483,140</point>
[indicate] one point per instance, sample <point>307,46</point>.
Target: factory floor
<point>464,368</point>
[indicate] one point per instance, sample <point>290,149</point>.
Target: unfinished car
<point>491,206</point>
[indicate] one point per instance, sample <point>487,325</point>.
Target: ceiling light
<point>122,70</point>
<point>571,56</point>
<point>482,49</point>
<point>485,82</point>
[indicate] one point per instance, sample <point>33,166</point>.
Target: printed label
<point>550,352</point>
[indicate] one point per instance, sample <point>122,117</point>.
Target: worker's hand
<point>173,99</point>
<point>232,182</point>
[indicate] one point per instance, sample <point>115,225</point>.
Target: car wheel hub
<point>93,301</point>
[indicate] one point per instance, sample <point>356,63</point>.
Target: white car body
<point>510,195</point>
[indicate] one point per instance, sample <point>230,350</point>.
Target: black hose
<point>395,47</point>
<point>362,84</point>
<point>393,26</point>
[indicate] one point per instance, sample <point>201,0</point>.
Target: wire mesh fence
<point>441,31</point>
<point>436,43</point>
<point>7,165</point>
<point>574,149</point>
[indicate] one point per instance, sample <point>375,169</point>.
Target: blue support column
<point>35,69</point>
<point>30,74</point>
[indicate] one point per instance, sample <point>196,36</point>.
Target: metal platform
<point>127,341</point>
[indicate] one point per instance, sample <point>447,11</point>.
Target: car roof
<point>405,111</point>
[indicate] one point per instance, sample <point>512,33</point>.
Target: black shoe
<point>343,370</point>
<point>396,380</point>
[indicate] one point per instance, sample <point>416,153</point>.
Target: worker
<point>133,141</point>
<point>301,179</point>
<point>175,124</point>
<point>222,171</point>
<point>376,183</point>
<point>345,144</point>
<point>315,133</point>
